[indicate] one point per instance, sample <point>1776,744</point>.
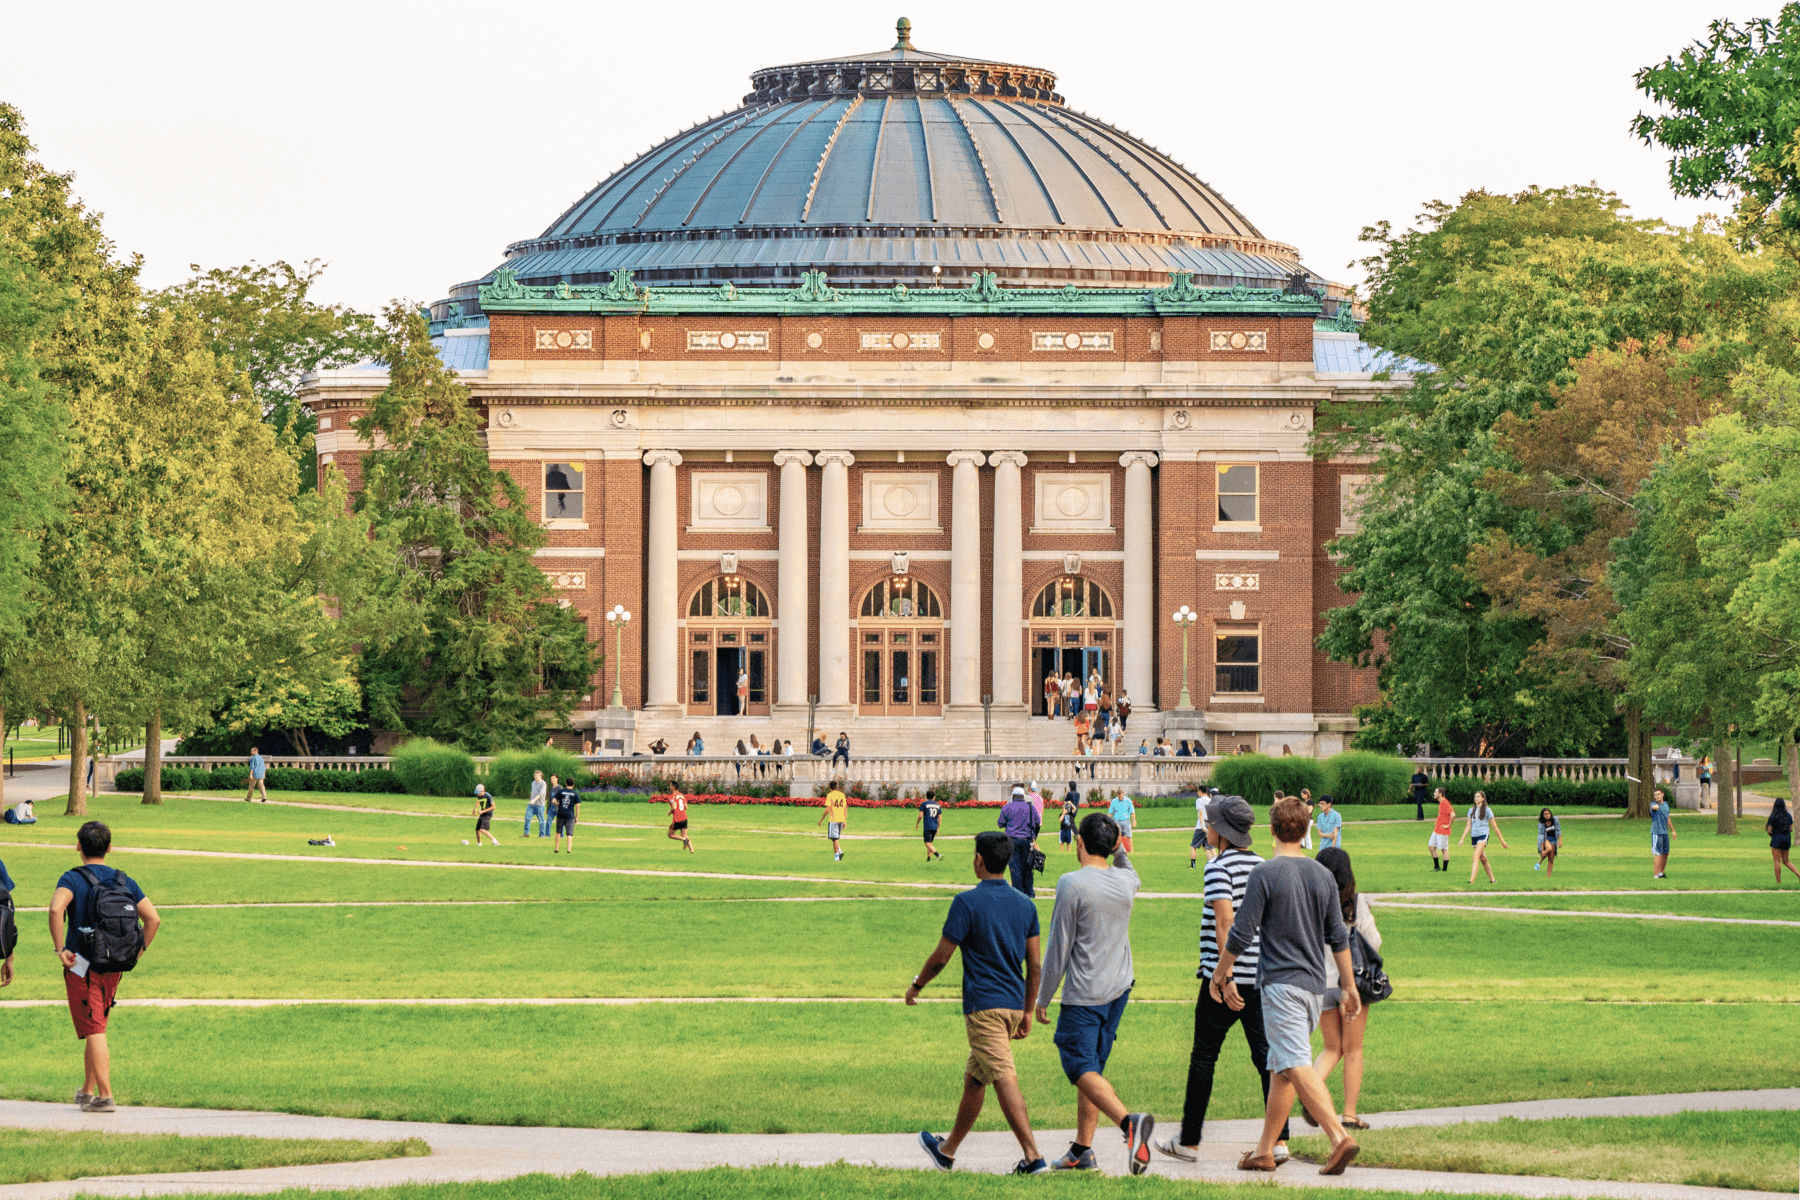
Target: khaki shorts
<point>990,1043</point>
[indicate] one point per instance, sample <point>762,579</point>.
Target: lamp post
<point>618,618</point>
<point>1184,619</point>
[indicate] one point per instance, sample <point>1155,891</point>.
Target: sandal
<point>1249,1162</point>
<point>1354,1123</point>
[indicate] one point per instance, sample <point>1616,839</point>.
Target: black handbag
<point>1372,983</point>
<point>1038,861</point>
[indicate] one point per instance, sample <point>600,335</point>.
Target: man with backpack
<point>95,920</point>
<point>9,927</point>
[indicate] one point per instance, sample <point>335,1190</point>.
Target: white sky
<point>407,143</point>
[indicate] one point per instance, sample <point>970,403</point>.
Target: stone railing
<point>1576,770</point>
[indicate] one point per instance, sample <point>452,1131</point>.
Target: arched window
<point>1071,597</point>
<point>728,596</point>
<point>901,596</point>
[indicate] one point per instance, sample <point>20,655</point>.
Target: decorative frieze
<point>902,341</point>
<point>565,339</point>
<point>1059,340</point>
<point>1237,582</point>
<point>568,581</point>
<point>1073,503</point>
<point>900,502</point>
<point>1251,343</point>
<point>729,500</point>
<point>728,339</point>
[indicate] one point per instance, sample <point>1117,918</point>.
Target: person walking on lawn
<point>566,802</point>
<point>1779,827</point>
<point>1439,841</point>
<point>1343,1033</point>
<point>484,815</point>
<point>1549,841</point>
<point>1331,825</point>
<point>7,884</point>
<point>1291,902</point>
<point>1020,821</point>
<point>834,818</point>
<point>1090,947</point>
<point>1230,820</point>
<point>997,931</point>
<point>259,771</point>
<point>929,813</point>
<point>678,820</point>
<point>1420,783</point>
<point>1481,818</point>
<point>540,795</point>
<point>74,908</point>
<point>1071,809</point>
<point>1122,810</point>
<point>1201,839</point>
<point>1661,834</point>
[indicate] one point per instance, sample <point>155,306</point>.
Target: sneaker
<point>1070,1161</point>
<point>1537,866</point>
<point>1281,1155</point>
<point>1036,1166</point>
<point>1175,1150</point>
<point>82,1098</point>
<point>98,1104</point>
<point>1137,1140</point>
<point>838,857</point>
<point>930,1143</point>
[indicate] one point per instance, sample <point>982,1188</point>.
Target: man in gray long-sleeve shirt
<point>1292,902</point>
<point>1090,945</point>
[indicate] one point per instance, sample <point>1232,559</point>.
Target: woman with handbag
<point>1344,1039</point>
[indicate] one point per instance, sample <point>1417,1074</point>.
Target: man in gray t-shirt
<point>1291,903</point>
<point>1090,945</point>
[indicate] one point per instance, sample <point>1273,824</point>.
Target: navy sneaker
<point>930,1143</point>
<point>1070,1161</point>
<point>1137,1140</point>
<point>1036,1166</point>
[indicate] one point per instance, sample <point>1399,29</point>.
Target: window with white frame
<point>1237,494</point>
<point>562,491</point>
<point>1237,659</point>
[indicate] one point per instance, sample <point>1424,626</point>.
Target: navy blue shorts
<point>1085,1035</point>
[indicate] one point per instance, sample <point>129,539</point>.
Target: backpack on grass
<point>9,925</point>
<point>112,938</point>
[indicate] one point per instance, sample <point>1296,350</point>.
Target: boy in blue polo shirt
<point>929,813</point>
<point>1330,823</point>
<point>997,928</point>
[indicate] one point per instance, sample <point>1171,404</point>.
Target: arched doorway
<point>900,643</point>
<point>728,641</point>
<point>1072,630</point>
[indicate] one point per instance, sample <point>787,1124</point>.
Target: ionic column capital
<point>1137,458</point>
<point>654,458</point>
<point>842,458</point>
<point>784,457</point>
<point>965,458</point>
<point>1013,457</point>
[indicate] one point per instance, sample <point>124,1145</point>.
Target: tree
<point>495,658</point>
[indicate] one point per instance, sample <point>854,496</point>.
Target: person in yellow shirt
<point>834,818</point>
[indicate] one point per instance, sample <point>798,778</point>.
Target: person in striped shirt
<point>1229,820</point>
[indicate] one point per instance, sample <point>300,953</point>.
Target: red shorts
<point>90,1000</point>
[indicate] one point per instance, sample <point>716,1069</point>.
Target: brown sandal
<point>1342,1155</point>
<point>1250,1162</point>
<point>1354,1123</point>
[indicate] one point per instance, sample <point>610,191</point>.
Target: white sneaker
<point>1281,1155</point>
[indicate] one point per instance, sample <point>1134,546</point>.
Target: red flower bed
<point>817,801</point>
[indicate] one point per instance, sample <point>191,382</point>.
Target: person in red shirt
<point>678,820</point>
<point>1440,833</point>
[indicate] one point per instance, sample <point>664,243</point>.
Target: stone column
<point>793,588</point>
<point>662,606</point>
<point>1009,553</point>
<point>965,577</point>
<point>1139,658</point>
<point>834,577</point>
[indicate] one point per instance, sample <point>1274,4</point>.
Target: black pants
<point>1213,1019</point>
<point>1020,865</point>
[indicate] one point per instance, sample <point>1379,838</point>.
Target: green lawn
<point>834,1066</point>
<point>38,1156</point>
<point>1754,1150</point>
<point>1758,906</point>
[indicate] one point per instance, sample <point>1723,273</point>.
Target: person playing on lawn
<point>1439,841</point>
<point>1331,825</point>
<point>997,930</point>
<point>1780,828</point>
<point>929,813</point>
<point>1122,809</point>
<point>1291,902</point>
<point>1661,834</point>
<point>835,817</point>
<point>1200,841</point>
<point>678,820</point>
<point>1549,841</point>
<point>484,815</point>
<point>538,803</point>
<point>1090,944</point>
<point>1071,809</point>
<point>1481,818</point>
<point>1343,1033</point>
<point>566,802</point>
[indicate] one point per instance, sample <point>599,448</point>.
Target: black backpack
<point>9,925</point>
<point>1372,983</point>
<point>112,938</point>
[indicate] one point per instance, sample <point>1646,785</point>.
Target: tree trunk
<point>1793,772</point>
<point>1737,781</point>
<point>1637,796</point>
<point>153,757</point>
<point>1723,778</point>
<point>78,728</point>
<point>3,756</point>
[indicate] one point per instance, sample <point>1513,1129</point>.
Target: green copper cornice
<point>815,296</point>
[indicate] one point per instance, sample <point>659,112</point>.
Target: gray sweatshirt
<point>1090,935</point>
<point>1293,903</point>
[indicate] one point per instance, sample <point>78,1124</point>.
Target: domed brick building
<point>901,387</point>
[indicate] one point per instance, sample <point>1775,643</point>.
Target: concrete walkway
<point>482,1152</point>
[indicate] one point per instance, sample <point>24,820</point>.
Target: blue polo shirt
<point>258,769</point>
<point>77,915</point>
<point>991,922</point>
<point>1330,823</point>
<point>930,809</point>
<point>1659,818</point>
<point>6,881</point>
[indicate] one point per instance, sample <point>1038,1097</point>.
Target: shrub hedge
<point>509,775</point>
<point>286,779</point>
<point>430,768</point>
<point>1363,777</point>
<point>1256,776</point>
<point>1551,793</point>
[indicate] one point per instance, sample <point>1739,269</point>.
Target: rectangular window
<point>928,685</point>
<point>728,639</point>
<point>902,678</point>
<point>871,677</point>
<point>1237,659</point>
<point>1237,493</point>
<point>758,685</point>
<point>928,639</point>
<point>701,639</point>
<point>872,639</point>
<point>700,677</point>
<point>562,491</point>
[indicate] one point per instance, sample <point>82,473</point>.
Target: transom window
<point>728,596</point>
<point>1237,493</point>
<point>1073,596</point>
<point>1237,659</point>
<point>901,596</point>
<point>562,491</point>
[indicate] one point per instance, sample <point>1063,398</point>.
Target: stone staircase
<point>957,732</point>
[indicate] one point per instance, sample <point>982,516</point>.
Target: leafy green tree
<point>496,659</point>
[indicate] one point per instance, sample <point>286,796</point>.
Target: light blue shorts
<point>1290,1014</point>
<point>1659,843</point>
<point>834,830</point>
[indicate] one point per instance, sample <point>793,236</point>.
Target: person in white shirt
<point>1201,840</point>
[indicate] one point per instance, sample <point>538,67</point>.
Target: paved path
<point>483,1152</point>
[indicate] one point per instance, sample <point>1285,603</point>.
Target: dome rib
<point>1035,173</point>
<point>987,175</point>
<point>720,173</point>
<point>1024,110</point>
<point>764,178</point>
<point>830,142</point>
